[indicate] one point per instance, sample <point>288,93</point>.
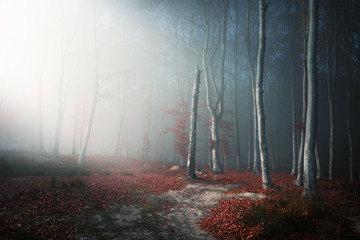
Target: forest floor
<point>108,199</point>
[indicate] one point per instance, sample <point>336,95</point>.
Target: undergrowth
<point>285,214</point>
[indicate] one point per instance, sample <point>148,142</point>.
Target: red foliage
<point>47,206</point>
<point>301,126</point>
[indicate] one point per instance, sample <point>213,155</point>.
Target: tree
<point>302,125</point>
<point>236,63</point>
<point>193,121</point>
<point>252,80</point>
<point>259,98</point>
<point>216,105</point>
<point>94,97</point>
<point>309,189</point>
<point>331,87</point>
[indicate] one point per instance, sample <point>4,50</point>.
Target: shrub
<point>286,214</point>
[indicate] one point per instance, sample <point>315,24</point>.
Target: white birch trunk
<point>309,189</point>
<point>193,121</point>
<point>259,98</point>
<point>91,118</point>
<point>300,169</point>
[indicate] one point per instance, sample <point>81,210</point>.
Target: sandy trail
<point>189,206</point>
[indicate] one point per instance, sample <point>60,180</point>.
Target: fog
<point>143,54</point>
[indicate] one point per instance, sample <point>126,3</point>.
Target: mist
<point>142,56</point>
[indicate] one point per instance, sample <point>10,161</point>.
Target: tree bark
<point>215,109</point>
<point>252,80</point>
<point>193,121</point>
<point>235,119</point>
<point>331,93</point>
<point>348,122</point>
<point>302,126</point>
<point>259,98</point>
<point>309,189</point>
<point>91,118</point>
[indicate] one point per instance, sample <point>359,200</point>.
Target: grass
<point>285,214</point>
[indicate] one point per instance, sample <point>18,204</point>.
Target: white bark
<point>300,169</point>
<point>90,122</point>
<point>309,189</point>
<point>94,98</point>
<point>215,108</point>
<point>193,121</point>
<point>259,98</point>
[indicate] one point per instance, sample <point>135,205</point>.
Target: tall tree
<point>266,180</point>
<point>236,99</point>
<point>193,121</point>
<point>301,127</point>
<point>94,96</point>
<point>331,80</point>
<point>215,104</point>
<point>309,189</point>
<point>252,81</point>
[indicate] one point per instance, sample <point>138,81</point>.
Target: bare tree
<point>94,97</point>
<point>215,104</point>
<point>309,189</point>
<point>252,80</point>
<point>193,121</point>
<point>302,125</point>
<point>266,180</point>
<point>331,81</point>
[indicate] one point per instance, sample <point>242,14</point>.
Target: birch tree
<point>302,125</point>
<point>94,96</point>
<point>193,122</point>
<point>259,98</point>
<point>309,189</point>
<point>215,104</point>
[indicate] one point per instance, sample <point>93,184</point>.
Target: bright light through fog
<point>48,48</point>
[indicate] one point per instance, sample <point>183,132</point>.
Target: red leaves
<point>47,206</point>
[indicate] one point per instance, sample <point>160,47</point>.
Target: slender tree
<point>193,121</point>
<point>215,104</point>
<point>309,189</point>
<point>252,81</point>
<point>331,81</point>
<point>302,125</point>
<point>266,180</point>
<point>94,96</point>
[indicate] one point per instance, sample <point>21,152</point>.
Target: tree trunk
<point>331,93</point>
<point>294,154</point>
<point>317,156</point>
<point>302,126</point>
<point>41,144</point>
<point>193,121</point>
<point>249,140</point>
<point>215,109</point>
<point>252,80</point>
<point>259,98</point>
<point>309,189</point>
<point>348,122</point>
<point>91,118</point>
<point>235,119</point>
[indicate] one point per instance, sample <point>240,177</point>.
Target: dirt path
<point>189,206</point>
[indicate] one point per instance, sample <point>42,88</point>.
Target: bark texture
<point>309,189</point>
<point>259,98</point>
<point>193,121</point>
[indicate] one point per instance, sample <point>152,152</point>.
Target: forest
<point>179,119</point>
